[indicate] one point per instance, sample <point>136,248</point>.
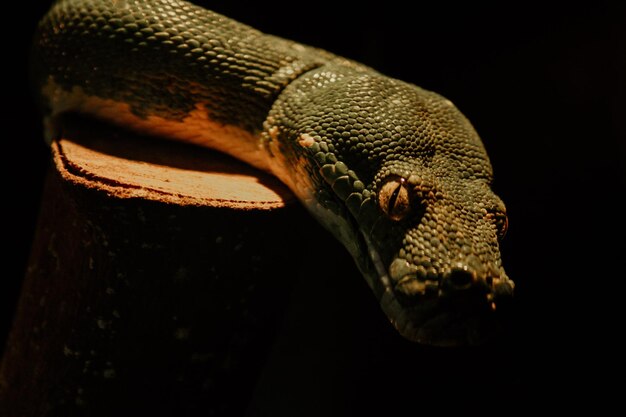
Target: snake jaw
<point>444,310</point>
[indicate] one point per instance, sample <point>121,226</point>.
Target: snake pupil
<point>392,200</point>
<point>503,225</point>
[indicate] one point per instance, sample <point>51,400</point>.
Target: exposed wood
<point>128,166</point>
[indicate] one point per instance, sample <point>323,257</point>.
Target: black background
<point>544,86</point>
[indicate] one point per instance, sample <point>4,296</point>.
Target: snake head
<point>438,258</point>
<point>402,179</point>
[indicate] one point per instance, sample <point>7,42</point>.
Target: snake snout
<point>452,307</point>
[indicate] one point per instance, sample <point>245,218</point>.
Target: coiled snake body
<point>395,172</point>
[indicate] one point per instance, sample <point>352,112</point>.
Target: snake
<point>394,171</point>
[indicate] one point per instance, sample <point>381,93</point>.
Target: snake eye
<point>394,199</point>
<point>496,213</point>
<point>502,224</point>
<point>501,221</point>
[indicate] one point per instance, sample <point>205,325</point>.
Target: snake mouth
<point>442,322</point>
<point>426,317</point>
<point>454,308</point>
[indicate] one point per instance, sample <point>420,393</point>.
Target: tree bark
<point>157,279</point>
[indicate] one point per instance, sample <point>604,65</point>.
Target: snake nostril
<point>460,279</point>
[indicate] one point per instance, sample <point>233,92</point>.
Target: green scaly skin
<point>395,172</point>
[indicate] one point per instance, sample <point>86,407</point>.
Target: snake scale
<point>394,171</point>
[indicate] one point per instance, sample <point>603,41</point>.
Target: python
<point>394,171</point>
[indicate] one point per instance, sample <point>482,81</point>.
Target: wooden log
<point>157,279</point>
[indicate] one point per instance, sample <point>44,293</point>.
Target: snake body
<point>394,171</point>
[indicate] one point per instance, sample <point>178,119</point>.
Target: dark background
<point>543,83</point>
